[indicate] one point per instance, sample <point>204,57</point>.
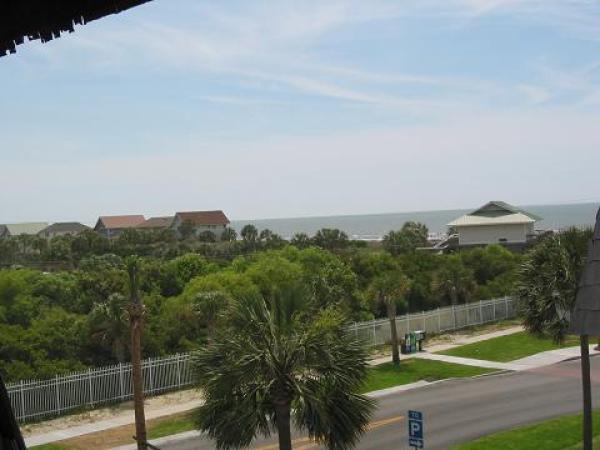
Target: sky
<point>304,108</point>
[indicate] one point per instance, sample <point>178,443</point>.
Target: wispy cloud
<point>278,40</point>
<point>278,43</point>
<point>536,94</point>
<point>580,18</point>
<point>364,96</point>
<point>549,155</point>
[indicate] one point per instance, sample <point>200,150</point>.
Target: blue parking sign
<point>415,429</point>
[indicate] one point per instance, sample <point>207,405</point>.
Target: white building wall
<point>217,230</point>
<point>493,234</point>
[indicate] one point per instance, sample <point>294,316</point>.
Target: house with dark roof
<point>63,229</point>
<point>112,226</point>
<point>16,229</point>
<point>156,223</point>
<point>201,221</point>
<point>496,222</point>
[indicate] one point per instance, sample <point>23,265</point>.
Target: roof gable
<point>156,222</point>
<point>495,213</point>
<point>494,209</point>
<point>16,229</point>
<point>204,217</point>
<point>118,222</point>
<point>497,208</point>
<point>66,227</point>
<point>507,219</point>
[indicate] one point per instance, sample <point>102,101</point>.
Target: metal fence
<point>378,332</point>
<point>37,399</point>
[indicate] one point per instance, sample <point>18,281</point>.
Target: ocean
<point>374,226</point>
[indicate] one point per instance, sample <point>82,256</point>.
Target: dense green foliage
<point>412,236</point>
<point>62,302</point>
<point>548,281</point>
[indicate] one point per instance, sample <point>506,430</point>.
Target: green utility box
<point>413,342</point>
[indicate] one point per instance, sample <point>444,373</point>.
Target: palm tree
<point>249,233</point>
<point>277,357</point>
<point>387,288</point>
<point>109,324</point>
<point>301,240</point>
<point>454,280</point>
<point>136,314</point>
<point>548,281</point>
<point>331,239</point>
<point>249,236</point>
<point>229,235</point>
<point>209,305</point>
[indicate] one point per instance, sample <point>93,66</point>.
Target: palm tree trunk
<point>283,420</point>
<point>391,311</point>
<point>137,376</point>
<point>454,301</point>
<point>136,313</point>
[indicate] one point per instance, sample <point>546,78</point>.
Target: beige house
<point>495,223</point>
<point>112,226</point>
<point>201,221</point>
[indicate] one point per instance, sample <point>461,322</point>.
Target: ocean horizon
<point>374,226</point>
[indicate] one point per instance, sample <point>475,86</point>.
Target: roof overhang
<point>508,219</point>
<point>47,19</point>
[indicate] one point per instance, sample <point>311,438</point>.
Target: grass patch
<point>172,425</point>
<point>412,370</point>
<point>556,434</point>
<point>508,348</point>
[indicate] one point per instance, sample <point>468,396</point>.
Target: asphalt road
<point>462,410</point>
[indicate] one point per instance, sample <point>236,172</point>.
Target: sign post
<point>415,430</point>
<point>585,321</point>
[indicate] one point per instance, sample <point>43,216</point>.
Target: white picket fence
<point>37,399</point>
<point>377,332</point>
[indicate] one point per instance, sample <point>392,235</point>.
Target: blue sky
<point>282,108</point>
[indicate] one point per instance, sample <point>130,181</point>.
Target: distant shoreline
<point>373,226</point>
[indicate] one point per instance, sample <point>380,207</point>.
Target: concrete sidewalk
<point>519,365</point>
<point>551,357</point>
<point>467,361</point>
<point>101,425</point>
